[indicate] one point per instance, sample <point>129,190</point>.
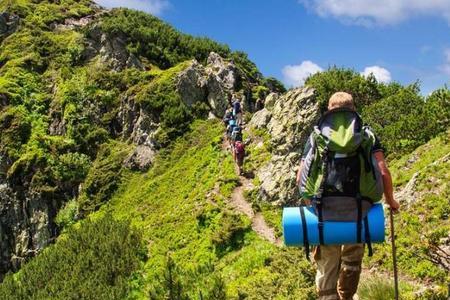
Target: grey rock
<point>9,23</point>
<point>292,117</point>
<point>191,84</point>
<point>26,225</point>
<point>140,159</point>
<point>278,179</point>
<point>217,96</point>
<point>270,100</point>
<point>260,119</point>
<point>112,50</point>
<point>138,125</point>
<point>222,79</point>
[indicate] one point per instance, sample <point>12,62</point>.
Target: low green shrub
<point>104,177</point>
<point>94,261</point>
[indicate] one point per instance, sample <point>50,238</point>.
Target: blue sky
<point>397,40</point>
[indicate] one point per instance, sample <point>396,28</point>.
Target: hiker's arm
<point>299,172</point>
<point>387,181</point>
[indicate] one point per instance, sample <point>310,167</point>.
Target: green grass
<point>200,235</point>
<point>195,244</point>
<point>422,224</point>
<point>91,261</point>
<point>404,168</point>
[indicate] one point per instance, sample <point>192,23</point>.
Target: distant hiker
<point>239,154</point>
<point>236,134</point>
<point>354,174</point>
<point>237,111</point>
<point>228,116</point>
<point>231,125</point>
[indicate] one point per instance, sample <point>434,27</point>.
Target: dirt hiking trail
<point>241,205</point>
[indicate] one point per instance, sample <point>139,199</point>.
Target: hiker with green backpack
<point>342,174</point>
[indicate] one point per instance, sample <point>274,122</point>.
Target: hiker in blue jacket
<point>237,111</point>
<point>339,266</point>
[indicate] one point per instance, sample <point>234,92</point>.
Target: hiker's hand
<point>394,205</point>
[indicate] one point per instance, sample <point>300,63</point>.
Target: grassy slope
<point>184,221</point>
<point>426,220</point>
<point>414,235</point>
<point>195,244</point>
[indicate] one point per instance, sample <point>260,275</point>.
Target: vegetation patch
<point>94,261</point>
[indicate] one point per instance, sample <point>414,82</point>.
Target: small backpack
<point>340,174</point>
<point>236,134</point>
<point>236,107</point>
<point>239,149</point>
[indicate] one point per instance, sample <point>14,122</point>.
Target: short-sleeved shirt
<point>376,147</point>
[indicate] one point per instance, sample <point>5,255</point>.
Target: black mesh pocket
<point>343,176</point>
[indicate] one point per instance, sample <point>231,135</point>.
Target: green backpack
<point>340,174</point>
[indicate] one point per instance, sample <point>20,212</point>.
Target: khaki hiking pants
<point>338,270</point>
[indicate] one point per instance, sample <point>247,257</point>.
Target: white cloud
<point>378,12</point>
<point>381,74</point>
<point>446,66</point>
<point>295,75</point>
<point>155,7</point>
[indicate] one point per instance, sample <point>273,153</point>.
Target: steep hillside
<point>115,180</point>
<point>86,94</point>
<point>194,242</point>
<point>276,135</point>
<point>423,227</point>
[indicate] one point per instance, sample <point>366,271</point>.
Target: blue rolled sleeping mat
<point>334,232</point>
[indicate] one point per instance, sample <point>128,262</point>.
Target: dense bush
<point>400,115</point>
<point>104,176</point>
<point>15,130</point>
<point>364,90</point>
<point>157,41</point>
<point>160,99</point>
<point>92,262</point>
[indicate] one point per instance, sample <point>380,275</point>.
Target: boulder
<point>137,125</point>
<point>260,119</point>
<point>292,117</point>
<point>26,225</point>
<point>191,84</point>
<point>111,49</point>
<point>221,83</point>
<point>8,24</point>
<point>217,96</point>
<point>140,159</point>
<point>278,179</point>
<point>226,72</point>
<point>270,100</point>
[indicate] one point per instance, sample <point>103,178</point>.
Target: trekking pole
<point>394,255</point>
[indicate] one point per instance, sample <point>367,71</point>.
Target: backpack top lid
<point>342,130</point>
<point>239,146</point>
<point>232,122</point>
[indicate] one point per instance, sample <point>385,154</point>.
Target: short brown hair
<point>341,100</point>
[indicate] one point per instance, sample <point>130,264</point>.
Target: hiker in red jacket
<point>339,266</point>
<point>239,154</point>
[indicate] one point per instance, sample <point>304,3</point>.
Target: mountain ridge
<point>103,125</point>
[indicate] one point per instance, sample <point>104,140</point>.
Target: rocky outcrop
<point>140,159</point>
<point>213,84</point>
<point>26,225</point>
<point>289,122</point>
<point>270,100</point>
<point>260,119</point>
<point>112,50</point>
<point>8,24</point>
<point>191,84</point>
<point>222,78</point>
